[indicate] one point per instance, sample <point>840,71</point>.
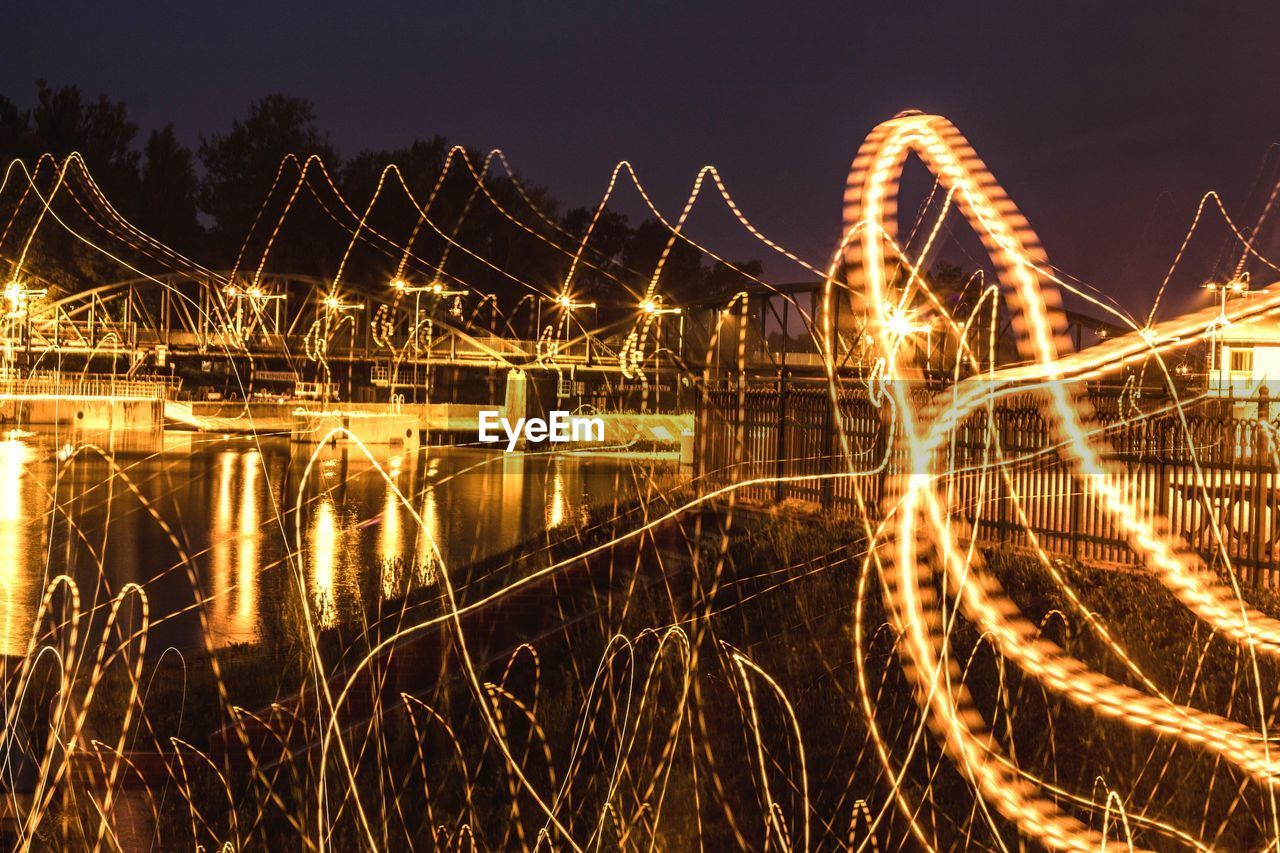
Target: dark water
<point>232,505</point>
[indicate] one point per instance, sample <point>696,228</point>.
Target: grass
<point>779,590</point>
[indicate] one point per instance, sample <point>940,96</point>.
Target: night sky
<point>1105,121</point>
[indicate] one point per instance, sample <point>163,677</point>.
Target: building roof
<point>1256,330</point>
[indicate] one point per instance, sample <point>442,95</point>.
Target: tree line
<point>204,201</point>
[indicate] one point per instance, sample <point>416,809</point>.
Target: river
<point>236,507</point>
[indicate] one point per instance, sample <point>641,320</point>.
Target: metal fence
<point>1211,473</point>
<point>89,385</point>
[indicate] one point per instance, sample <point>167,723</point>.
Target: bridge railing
<point>89,385</point>
<point>491,347</point>
<point>67,334</point>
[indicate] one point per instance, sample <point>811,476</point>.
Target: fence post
<point>1253,523</point>
<point>1003,492</point>
<point>1076,495</point>
<point>780,462</point>
<point>699,427</point>
<point>826,495</point>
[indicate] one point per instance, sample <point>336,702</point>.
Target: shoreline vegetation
<point>776,587</point>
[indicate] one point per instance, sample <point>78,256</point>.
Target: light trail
<point>921,531</point>
<point>652,723</point>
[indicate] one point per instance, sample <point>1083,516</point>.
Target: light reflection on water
<point>360,541</point>
<point>324,558</point>
<point>15,580</point>
<point>236,536</point>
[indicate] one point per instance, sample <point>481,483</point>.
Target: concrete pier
<point>371,428</point>
<point>97,414</point>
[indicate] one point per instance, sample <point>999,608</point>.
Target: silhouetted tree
<point>604,250</point>
<point>62,122</point>
<point>395,215</point>
<point>168,192</point>
<point>683,275</point>
<point>953,287</point>
<point>723,280</point>
<point>240,168</point>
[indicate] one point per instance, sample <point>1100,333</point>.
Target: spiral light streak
<point>651,725</point>
<point>871,202</point>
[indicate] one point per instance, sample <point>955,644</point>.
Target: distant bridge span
<point>179,316</point>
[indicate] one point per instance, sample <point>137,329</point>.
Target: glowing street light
<point>17,296</point>
<point>253,292</point>
<point>902,323</point>
<point>565,302</point>
<point>256,296</point>
<point>1237,286</point>
<point>333,303</point>
<point>435,288</point>
<point>654,307</point>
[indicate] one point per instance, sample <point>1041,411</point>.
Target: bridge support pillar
<point>516,404</point>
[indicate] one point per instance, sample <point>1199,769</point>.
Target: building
<point>1245,359</point>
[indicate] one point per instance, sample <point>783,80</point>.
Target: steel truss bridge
<point>284,325</point>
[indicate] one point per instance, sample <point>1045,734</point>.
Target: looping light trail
<point>920,536</point>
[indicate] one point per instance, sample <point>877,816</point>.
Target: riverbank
<point>639,644</point>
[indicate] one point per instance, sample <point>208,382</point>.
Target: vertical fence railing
<point>1213,476</point>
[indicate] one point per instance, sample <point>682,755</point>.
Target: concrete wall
<point>370,427</point>
<point>620,428</point>
<point>97,414</point>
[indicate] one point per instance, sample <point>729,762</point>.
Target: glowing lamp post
<point>654,308</point>
<point>334,306</point>
<point>436,290</point>
<point>17,297</point>
<point>568,305</point>
<point>256,297</point>
<point>902,324</point>
<point>1236,287</point>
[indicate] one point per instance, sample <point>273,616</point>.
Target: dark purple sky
<point>1105,120</point>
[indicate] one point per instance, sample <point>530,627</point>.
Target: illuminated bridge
<point>286,334</point>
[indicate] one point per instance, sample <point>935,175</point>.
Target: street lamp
<point>436,289</point>
<point>333,303</point>
<point>902,323</point>
<point>1237,286</point>
<point>17,295</point>
<point>256,296</point>
<point>653,308</point>
<point>565,302</point>
<point>568,305</point>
